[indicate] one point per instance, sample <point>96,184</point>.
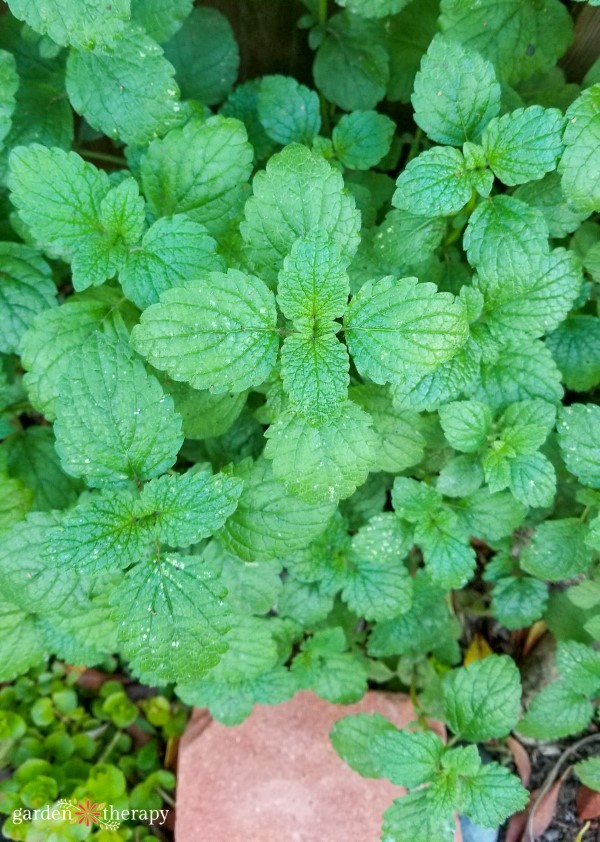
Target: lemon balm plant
<point>297,382</point>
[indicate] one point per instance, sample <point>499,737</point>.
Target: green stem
<point>103,156</point>
<point>322,11</point>
<point>109,748</point>
<point>165,796</point>
<point>456,233</point>
<point>584,514</point>
<point>414,146</point>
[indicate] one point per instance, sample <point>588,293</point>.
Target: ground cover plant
<point>298,383</point>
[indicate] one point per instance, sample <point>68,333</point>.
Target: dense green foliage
<point>294,389</point>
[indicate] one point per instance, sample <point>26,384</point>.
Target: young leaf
<point>353,737</point>
<point>558,710</point>
<point>314,371</point>
<point>173,251</point>
<point>218,334</point>
<point>456,93</point>
<point>393,325</point>
<point>492,795</point>
<point>466,424</point>
<point>297,194</point>
<point>482,701</point>
<point>408,759</point>
<point>114,422</point>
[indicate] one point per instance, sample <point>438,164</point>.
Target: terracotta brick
<point>276,777</point>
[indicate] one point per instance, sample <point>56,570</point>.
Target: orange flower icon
<point>88,813</point>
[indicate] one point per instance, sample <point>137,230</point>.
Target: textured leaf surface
<point>172,618</point>
<point>394,324</point>
<point>200,170</point>
<point>456,93</point>
<point>323,462</point>
<point>114,421</point>
<point>160,18</point>
<point>26,289</point>
<point>128,93</point>
<point>557,551</point>
<point>314,370</point>
<point>218,333</point>
<point>580,163</point>
<point>9,82</point>
<point>579,439</point>
<point>362,139</point>
<point>482,701</point>
<point>269,521</point>
<point>83,24</point>
<point>288,111</point>
<point>436,183</point>
<point>525,144</point>
<point>296,194</point>
<point>174,250</point>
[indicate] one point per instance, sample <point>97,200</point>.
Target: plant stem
<point>322,12</point>
<point>165,796</point>
<point>414,146</point>
<point>103,156</point>
<point>108,750</point>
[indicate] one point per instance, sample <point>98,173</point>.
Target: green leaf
<point>120,225</point>
<point>46,346</point>
<point>190,506</point>
<point>32,459</point>
<point>490,516</point>
<point>580,161</point>
<point>482,701</point>
<point>520,370</point>
<point>172,618</point>
<point>129,93</point>
<point>86,634</point>
<point>22,645</point>
<point>417,817</point>
<point>325,461</point>
<point>533,480</point>
<point>313,284</point>
<point>15,501</point>
<point>436,183</point>
<point>503,231</point>
<point>297,194</point>
<point>173,251</point>
<point>408,759</point>
<point>461,476</point>
<point>535,300</point>
<point>58,196</point>
<point>9,83</point>
<point>219,335</point>
<point>351,67</point>
<point>547,196</point>
<point>575,346</point>
<point>408,37</point>
<point>26,289</point>
<point>423,629</point>
<point>362,139</point>
<point>206,74</point>
<point>394,324</point>
<point>518,603</point>
<point>557,551</point>
<point>83,24</point>
<point>305,604</point>
<point>449,559</point>
<point>252,587</point>
<point>114,422</point>
<point>456,93</point>
<point>491,796</point>
<point>579,665</point>
<point>30,578</point>
<point>160,19</point>
<point>578,437</point>
<point>400,442</point>
<point>354,737</point>
<point>288,111</point>
<point>378,585</point>
<point>324,666</point>
<point>558,710</point>
<point>525,144</point>
<point>518,36</point>
<point>201,170</point>
<point>314,370</point>
<point>269,521</point>
<point>588,772</point>
<point>374,8</point>
<point>466,424</point>
<point>204,414</point>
